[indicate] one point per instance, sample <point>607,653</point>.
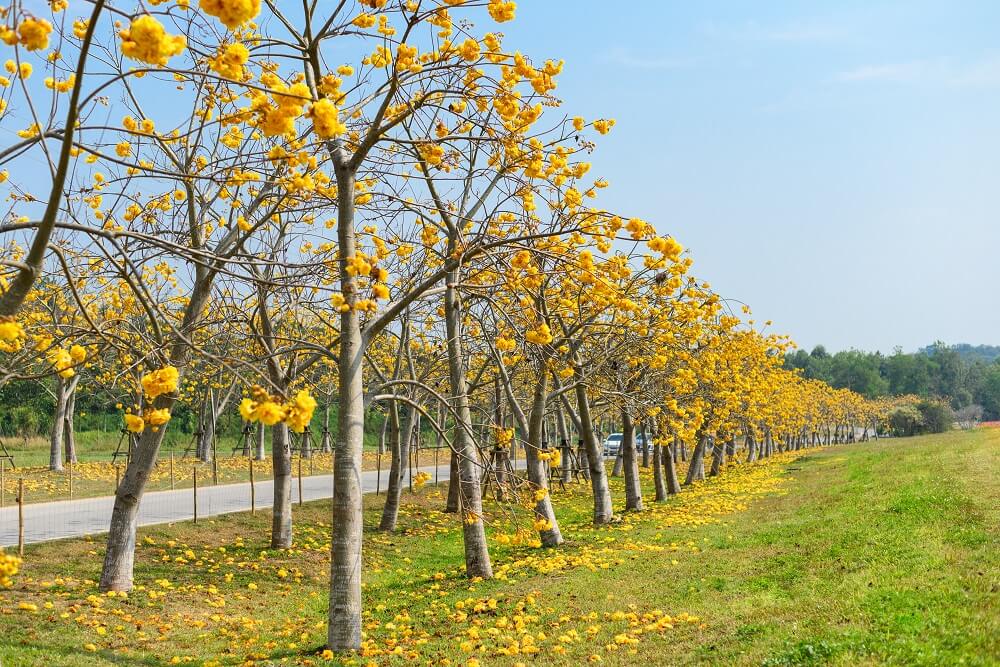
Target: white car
<point>613,443</point>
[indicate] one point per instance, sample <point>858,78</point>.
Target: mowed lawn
<point>875,553</point>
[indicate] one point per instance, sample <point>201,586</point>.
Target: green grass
<point>874,553</point>
<point>96,472</point>
<point>95,445</point>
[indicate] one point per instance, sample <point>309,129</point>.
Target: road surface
<point>88,516</point>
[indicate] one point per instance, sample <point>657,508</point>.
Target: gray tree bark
<point>344,626</point>
<point>551,536</point>
<point>281,510</point>
<point>69,430</point>
<point>58,430</point>
<point>670,470</point>
<point>645,444</point>
<point>633,490</point>
<point>260,454</point>
<point>453,504</point>
<point>395,436</point>
<point>616,470</point>
<point>565,449</point>
<point>477,556</point>
<point>603,510</point>
<point>718,457</point>
<point>659,485</point>
<point>696,469</point>
<point>751,447</point>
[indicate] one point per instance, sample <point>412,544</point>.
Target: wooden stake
<point>20,516</point>
<point>215,469</point>
<point>300,481</point>
<point>253,491</point>
<point>70,466</point>
<point>118,477</point>
<point>171,471</point>
<point>378,474</point>
<point>194,479</point>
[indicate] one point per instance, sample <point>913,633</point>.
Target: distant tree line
<point>966,377</point>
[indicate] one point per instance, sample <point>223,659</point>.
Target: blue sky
<point>834,165</point>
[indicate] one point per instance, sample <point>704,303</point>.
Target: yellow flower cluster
<point>156,417</point>
<point>134,423</point>
<point>262,407</point>
<point>279,118</point>
<point>299,411</point>
<point>604,126</point>
<point>469,50</point>
<point>326,119</point>
<point>232,13</point>
<point>9,565</point>
<point>666,246</point>
<point>229,61</point>
<point>504,436</point>
<point>552,456</point>
<point>63,360</point>
<point>505,344</point>
<point>431,153</point>
<point>502,10</point>
<point>161,381</point>
<point>540,335</point>
<point>146,40</point>
<point>541,524</point>
<point>32,33</point>
<point>420,479</point>
<point>11,335</point>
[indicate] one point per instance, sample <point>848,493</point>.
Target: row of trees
<point>962,375</point>
<point>373,206</point>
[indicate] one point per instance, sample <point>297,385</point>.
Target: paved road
<point>88,516</point>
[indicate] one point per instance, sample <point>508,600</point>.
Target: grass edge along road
<point>863,554</point>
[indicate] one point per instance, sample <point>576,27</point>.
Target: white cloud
<point>632,60</point>
<point>811,31</point>
<point>985,72</point>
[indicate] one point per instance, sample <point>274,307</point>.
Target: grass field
<point>875,553</point>
<point>96,472</point>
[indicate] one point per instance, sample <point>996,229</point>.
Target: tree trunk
<point>477,556</point>
<point>58,430</point>
<point>281,510</point>
<point>603,511</point>
<point>344,627</point>
<point>565,449</point>
<point>260,454</point>
<point>658,483</point>
<point>751,447</point>
<point>619,466</point>
<point>645,445</point>
<point>69,434</point>
<point>670,470</point>
<point>119,557</point>
<point>325,445</point>
<point>718,457</point>
<point>696,469</point>
<point>633,490</point>
<point>203,450</point>
<point>395,437</point>
<point>551,535</point>
<point>452,505</point>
